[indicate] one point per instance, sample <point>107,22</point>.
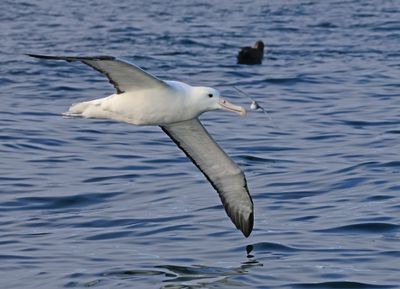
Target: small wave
<point>325,137</point>
<point>285,80</point>
<point>357,166</point>
<point>174,228</point>
<point>341,284</point>
<point>52,203</point>
<point>371,227</point>
<point>256,159</point>
<point>132,272</point>
<point>110,235</point>
<point>323,24</point>
<point>395,164</point>
<point>107,178</point>
<point>378,198</point>
<point>275,247</point>
<point>364,123</point>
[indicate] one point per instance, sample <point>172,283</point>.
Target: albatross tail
<point>86,109</point>
<point>77,109</point>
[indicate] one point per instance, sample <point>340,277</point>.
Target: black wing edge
<point>242,224</point>
<point>84,60</point>
<point>245,226</point>
<point>72,58</point>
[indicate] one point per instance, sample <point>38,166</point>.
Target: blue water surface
<point>95,203</point>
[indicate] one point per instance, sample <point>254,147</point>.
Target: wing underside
<point>223,174</point>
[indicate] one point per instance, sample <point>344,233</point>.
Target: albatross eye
<point>210,95</point>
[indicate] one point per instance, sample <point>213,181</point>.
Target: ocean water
<point>94,203</point>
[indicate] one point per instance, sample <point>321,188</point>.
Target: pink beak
<point>226,105</point>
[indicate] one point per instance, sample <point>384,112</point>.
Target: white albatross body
<point>145,106</point>
<point>143,99</point>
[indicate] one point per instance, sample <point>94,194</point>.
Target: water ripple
<point>341,284</point>
<point>95,203</point>
<point>370,227</point>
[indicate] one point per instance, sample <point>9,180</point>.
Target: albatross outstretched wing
<point>124,76</point>
<point>223,174</point>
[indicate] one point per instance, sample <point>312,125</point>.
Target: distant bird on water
<point>251,55</point>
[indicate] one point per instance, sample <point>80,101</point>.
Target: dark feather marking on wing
<point>110,80</point>
<point>246,230</point>
<point>84,60</point>
<point>73,58</point>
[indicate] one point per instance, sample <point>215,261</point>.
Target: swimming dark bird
<point>251,55</point>
<point>143,99</point>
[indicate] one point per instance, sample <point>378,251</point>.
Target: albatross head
<point>208,98</point>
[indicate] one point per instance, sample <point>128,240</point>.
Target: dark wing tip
<point>246,230</point>
<point>86,60</point>
<point>34,55</point>
<point>71,58</point>
<point>242,222</point>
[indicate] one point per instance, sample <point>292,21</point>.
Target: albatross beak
<point>226,105</point>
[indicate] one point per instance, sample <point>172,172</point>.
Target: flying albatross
<point>143,99</point>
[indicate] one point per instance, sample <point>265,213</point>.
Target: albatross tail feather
<point>76,109</point>
<point>84,109</point>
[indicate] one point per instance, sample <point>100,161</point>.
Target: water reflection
<point>199,276</point>
<point>193,276</point>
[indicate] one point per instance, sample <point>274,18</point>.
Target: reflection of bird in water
<point>251,55</point>
<point>201,276</point>
<point>249,248</point>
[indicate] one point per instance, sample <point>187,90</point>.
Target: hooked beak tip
<point>226,105</point>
